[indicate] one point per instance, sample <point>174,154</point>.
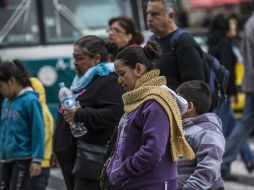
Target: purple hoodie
<point>142,159</point>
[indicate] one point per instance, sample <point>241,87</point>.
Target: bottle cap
<point>61,84</point>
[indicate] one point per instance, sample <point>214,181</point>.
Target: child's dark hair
<point>93,46</point>
<point>197,92</point>
<point>14,69</point>
<point>134,54</point>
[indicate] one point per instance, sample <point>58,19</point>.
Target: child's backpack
<point>216,75</point>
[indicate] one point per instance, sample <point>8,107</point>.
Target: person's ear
<point>12,81</point>
<point>97,59</point>
<point>140,69</point>
<point>172,14</point>
<point>129,37</point>
<point>191,108</point>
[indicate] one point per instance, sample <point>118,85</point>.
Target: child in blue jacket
<point>21,128</point>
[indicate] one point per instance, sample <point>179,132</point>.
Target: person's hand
<point>234,99</point>
<point>69,113</point>
<point>35,169</point>
<point>53,161</point>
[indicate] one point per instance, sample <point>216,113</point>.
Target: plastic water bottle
<point>67,100</point>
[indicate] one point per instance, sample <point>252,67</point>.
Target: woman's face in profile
<point>118,35</point>
<point>127,76</point>
<point>232,28</point>
<point>82,62</point>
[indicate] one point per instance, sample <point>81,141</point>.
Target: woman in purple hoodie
<point>150,136</point>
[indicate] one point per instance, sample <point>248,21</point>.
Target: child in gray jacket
<point>203,131</point>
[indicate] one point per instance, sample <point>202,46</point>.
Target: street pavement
<point>56,181</point>
<point>245,179</point>
<point>245,182</point>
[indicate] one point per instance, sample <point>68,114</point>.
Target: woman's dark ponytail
<point>152,50</point>
<point>136,54</point>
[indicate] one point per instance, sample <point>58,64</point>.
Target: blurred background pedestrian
<point>220,41</point>
<point>122,33</point>
<point>239,135</point>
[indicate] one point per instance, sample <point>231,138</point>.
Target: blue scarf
<point>80,82</point>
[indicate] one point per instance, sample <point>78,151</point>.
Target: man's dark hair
<point>197,92</point>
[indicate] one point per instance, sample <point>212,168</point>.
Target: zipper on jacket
<point>5,130</point>
<point>165,185</point>
<point>3,137</point>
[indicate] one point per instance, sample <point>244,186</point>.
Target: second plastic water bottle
<point>67,100</point>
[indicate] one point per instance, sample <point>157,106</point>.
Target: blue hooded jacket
<point>22,128</point>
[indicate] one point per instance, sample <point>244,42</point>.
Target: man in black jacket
<point>183,63</point>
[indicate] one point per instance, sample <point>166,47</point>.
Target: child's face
<point>7,89</point>
<point>185,115</point>
<point>191,112</point>
<point>232,28</point>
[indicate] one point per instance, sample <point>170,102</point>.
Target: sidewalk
<point>245,182</point>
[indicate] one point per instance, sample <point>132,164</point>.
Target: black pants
<point>15,175</point>
<point>65,150</point>
<point>84,184</point>
<point>39,182</point>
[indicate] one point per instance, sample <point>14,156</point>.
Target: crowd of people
<point>147,111</point>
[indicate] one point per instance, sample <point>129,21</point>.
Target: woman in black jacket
<point>99,109</point>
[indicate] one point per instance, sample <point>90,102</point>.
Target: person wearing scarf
<point>150,133</point>
<point>99,108</point>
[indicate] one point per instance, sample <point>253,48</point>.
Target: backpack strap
<point>152,38</point>
<point>173,40</point>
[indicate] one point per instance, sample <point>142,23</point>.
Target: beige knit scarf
<point>148,87</point>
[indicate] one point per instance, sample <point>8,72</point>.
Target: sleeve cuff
<point>36,160</point>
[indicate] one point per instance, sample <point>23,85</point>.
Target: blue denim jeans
<point>229,123</point>
<point>240,133</point>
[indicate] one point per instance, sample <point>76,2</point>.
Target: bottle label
<point>69,102</point>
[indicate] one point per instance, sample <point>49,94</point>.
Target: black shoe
<point>250,167</point>
<point>227,176</point>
